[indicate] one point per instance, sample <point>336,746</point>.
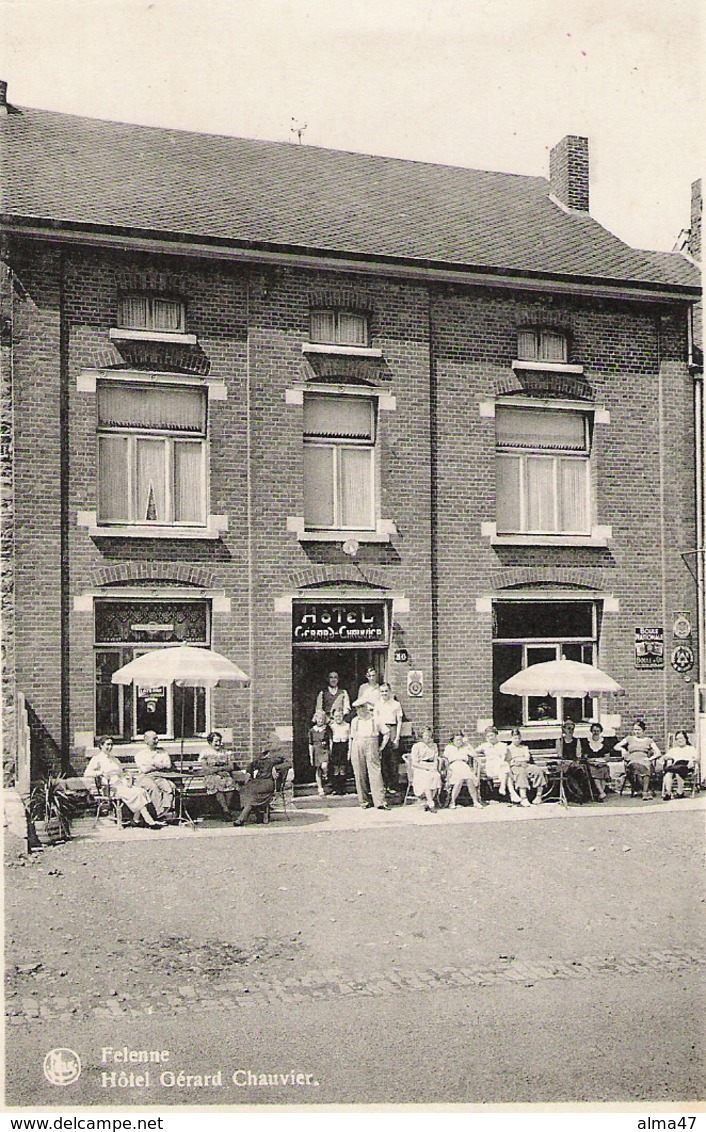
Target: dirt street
<point>552,960</point>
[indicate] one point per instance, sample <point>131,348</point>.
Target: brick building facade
<point>332,447</point>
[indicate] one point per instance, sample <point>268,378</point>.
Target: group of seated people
<point>510,769</point>
<point>151,794</point>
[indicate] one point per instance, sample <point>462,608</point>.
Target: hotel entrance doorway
<point>346,636</point>
<point>310,670</point>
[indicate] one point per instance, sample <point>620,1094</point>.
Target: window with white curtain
<point>543,481</point>
<point>151,312</point>
<point>151,454</point>
<point>339,327</point>
<point>542,345</point>
<point>339,462</point>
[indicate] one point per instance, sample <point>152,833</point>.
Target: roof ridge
<point>280,144</point>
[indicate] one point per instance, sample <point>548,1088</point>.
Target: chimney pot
<point>568,172</point>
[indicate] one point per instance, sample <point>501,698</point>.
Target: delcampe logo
<point>62,1066</point>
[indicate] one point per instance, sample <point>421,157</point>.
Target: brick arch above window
<point>581,578</point>
<point>540,383</point>
<point>130,573</point>
<point>325,574</point>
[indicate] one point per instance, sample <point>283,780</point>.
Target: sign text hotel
<point>342,624</point>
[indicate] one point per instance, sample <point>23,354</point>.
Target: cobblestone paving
<point>231,994</point>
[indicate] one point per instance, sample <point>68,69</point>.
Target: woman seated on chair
<point>106,767</point>
<point>461,760</point>
<point>523,771</point>
<point>425,764</point>
<point>259,789</point>
<point>679,760</point>
<point>496,766</point>
<point>577,782</point>
<point>596,755</point>
<point>218,780</point>
<point>641,754</point>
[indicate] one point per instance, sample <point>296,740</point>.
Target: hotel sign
<point>352,624</point>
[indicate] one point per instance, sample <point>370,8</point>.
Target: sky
<point>487,84</point>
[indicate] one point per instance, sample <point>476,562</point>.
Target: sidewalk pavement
<point>331,815</point>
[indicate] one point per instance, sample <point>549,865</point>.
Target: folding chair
<point>107,802</point>
<point>283,786</point>
<point>409,792</point>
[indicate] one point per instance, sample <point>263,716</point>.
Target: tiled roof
<point>59,168</point>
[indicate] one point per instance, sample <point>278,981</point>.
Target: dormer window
<point>535,344</point>
<point>339,328</point>
<point>151,312</point>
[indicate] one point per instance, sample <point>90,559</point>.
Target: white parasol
<point>561,678</point>
<point>183,665</point>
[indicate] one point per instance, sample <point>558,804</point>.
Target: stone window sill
<point>123,334</point>
<point>383,532</point>
<point>600,536</point>
<point>345,351</point>
<point>217,524</point>
<point>550,367</point>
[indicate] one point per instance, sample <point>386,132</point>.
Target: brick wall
<point>444,349</point>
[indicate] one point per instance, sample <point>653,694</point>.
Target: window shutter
<point>178,408</point>
<point>356,488</point>
<point>573,497</point>
<point>352,329</point>
<point>508,494</point>
<point>134,312</point>
<point>112,479</point>
<point>323,326</point>
<point>527,345</point>
<point>552,346</point>
<point>188,482</point>
<point>166,314</point>
<point>562,429</point>
<point>318,486</point>
<point>338,418</point>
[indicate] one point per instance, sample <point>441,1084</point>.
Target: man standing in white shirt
<point>387,713</point>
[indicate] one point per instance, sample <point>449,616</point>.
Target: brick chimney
<point>3,97</point>
<point>697,207</point>
<point>568,172</point>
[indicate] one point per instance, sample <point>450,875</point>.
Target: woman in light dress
<point>425,764</point>
<point>678,761</point>
<point>463,768</point>
<point>105,766</point>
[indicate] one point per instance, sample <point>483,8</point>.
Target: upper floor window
<point>542,471</point>
<point>151,312</point>
<point>339,327</point>
<point>339,462</point>
<point>151,454</point>
<point>541,345</point>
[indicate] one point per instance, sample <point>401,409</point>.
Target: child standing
<point>338,765</point>
<point>320,749</point>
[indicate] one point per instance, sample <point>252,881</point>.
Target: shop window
<point>151,312</point>
<point>339,463</point>
<point>126,629</point>
<point>152,456</point>
<point>532,632</point>
<point>543,481</point>
<point>542,345</point>
<point>339,327</point>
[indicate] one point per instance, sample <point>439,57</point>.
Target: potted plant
<point>50,810</point>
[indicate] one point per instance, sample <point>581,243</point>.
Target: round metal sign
<point>682,658</point>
